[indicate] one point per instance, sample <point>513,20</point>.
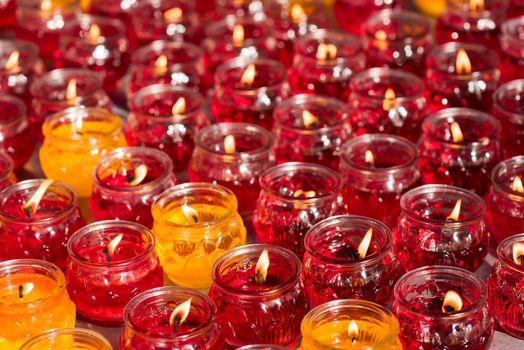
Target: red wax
<point>508,108</point>
<point>7,177</point>
<point>511,55</point>
<point>7,14</point>
<point>350,14</point>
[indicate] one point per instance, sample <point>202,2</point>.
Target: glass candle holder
<point>44,233</point>
<point>459,147</point>
<point>387,101</point>
<point>117,9</point>
<point>461,75</point>
<point>249,312</point>
<point>74,141</point>
<point>398,39</point>
<point>509,110</point>
<point>294,197</point>
<point>373,187</point>
<point>168,118</point>
<point>324,63</point>
<point>505,200</point>
<point>195,223</point>
<point>420,296</point>
<point>16,137</point>
<point>44,303</point>
<point>60,89</point>
<point>7,14</point>
<point>110,262</point>
<point>98,44</point>
<point>326,327</point>
<point>512,49</point>
<point>126,183</point>
<point>441,225</point>
<point>236,166</point>
<point>74,338</point>
<point>344,9</point>
<point>147,324</point>
<point>7,176</point>
<point>505,284</point>
<point>310,128</point>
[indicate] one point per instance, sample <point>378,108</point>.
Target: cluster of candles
<point>374,165</point>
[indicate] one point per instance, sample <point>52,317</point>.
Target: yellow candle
<point>75,140</point>
<point>33,299</point>
<point>194,224</point>
<point>75,338</point>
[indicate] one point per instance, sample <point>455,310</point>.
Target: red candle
<point>117,9</point>
<point>461,75</point>
<point>248,90</point>
<point>359,11</point>
<point>7,14</point>
<point>459,147</point>
<point>110,262</point>
<point>443,308</point>
<point>126,183</point>
<point>259,294</point>
<point>377,170</point>
<point>387,101</point>
<point>294,197</point>
<point>511,54</point>
<point>324,63</point>
<point>7,177</point>
<point>36,223</point>
<point>508,108</point>
<point>349,257</point>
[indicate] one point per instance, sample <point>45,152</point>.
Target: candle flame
<point>179,107</point>
<point>369,158</point>
<point>93,35</point>
<point>308,118</point>
<point>71,92</point>
<point>12,61</point>
<point>326,51</point>
<point>179,314</point>
<point>517,186</point>
<point>174,14</point>
<point>452,302</point>
<point>248,77</point>
<point>455,213</point>
<point>364,244</point>
<point>161,65</point>
<point>111,246</point>
<point>353,331</point>
<point>462,62</point>
<point>190,213</point>
<point>380,41</point>
<point>238,35</point>
<point>389,99</point>
<point>518,253</point>
<point>456,132</point>
<point>139,175</point>
<point>476,5</point>
<point>261,268</point>
<point>229,144</point>
<point>46,6</point>
<point>31,206</point>
<point>297,13</point>
<point>25,289</point>
<point>304,194</point>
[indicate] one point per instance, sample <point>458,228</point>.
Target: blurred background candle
<point>508,108</point>
<point>110,263</point>
<point>40,304</point>
<point>117,9</point>
<point>7,176</point>
<point>7,14</point>
<point>195,223</point>
<point>441,225</point>
<point>377,170</point>
<point>359,11</point>
<point>259,295</point>
<point>512,49</point>
<point>310,128</point>
<point>429,320</point>
<point>63,338</point>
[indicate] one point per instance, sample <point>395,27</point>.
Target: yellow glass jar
<point>74,141</point>
<point>194,224</point>
<point>75,338</point>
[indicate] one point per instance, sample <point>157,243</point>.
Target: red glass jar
<point>505,200</point>
<point>461,75</point>
<point>101,283</point>
<point>7,176</point>
<point>387,101</point>
<point>45,233</point>
<point>373,187</point>
<point>248,90</point>
<point>512,49</point>
<point>398,39</point>
<point>508,108</point>
<point>359,11</point>
<point>241,8</point>
<point>324,63</point>
<point>515,8</point>
<point>426,233</point>
<point>116,195</point>
<point>7,14</point>
<point>419,298</point>
<point>117,9</point>
<point>333,268</point>
<point>251,313</point>
<point>310,128</point>
<point>294,197</point>
<point>147,315</point>
<point>459,147</point>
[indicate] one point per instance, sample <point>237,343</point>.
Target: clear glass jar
<point>509,111</point>
<point>512,50</point>
<point>74,338</point>
<point>7,176</point>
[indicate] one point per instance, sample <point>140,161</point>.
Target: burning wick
<point>12,61</point>
<point>517,186</point>
<point>261,268</point>
<point>297,13</point>
<point>25,289</point>
<point>455,213</point>
<point>389,99</point>
<point>109,249</point>
<point>364,244</point>
<point>190,213</point>
<point>173,15</point>
<point>452,302</point>
<point>179,107</point>
<point>456,132</point>
<point>353,331</point>
<point>71,92</point>
<point>462,63</point>
<point>326,52</point>
<point>238,35</point>
<point>304,194</point>
<point>136,177</point>
<point>369,158</point>
<point>31,206</point>
<point>518,253</point>
<point>248,77</point>
<point>476,5</point>
<point>308,119</point>
<point>93,35</point>
<point>179,314</point>
<point>160,65</point>
<point>230,145</point>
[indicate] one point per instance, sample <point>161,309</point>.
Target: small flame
<point>71,92</point>
<point>46,6</point>
<point>179,314</point>
<point>12,61</point>
<point>179,107</point>
<point>456,132</point>
<point>304,194</point>
<point>261,268</point>
<point>111,246</point>
<point>174,14</point>
<point>326,51</point>
<point>31,206</point>
<point>364,244</point>
<point>516,186</point>
<point>308,118</point>
<point>380,41</point>
<point>462,63</point>
<point>353,331</point>
<point>25,289</point>
<point>455,213</point>
<point>238,35</point>
<point>369,158</point>
<point>297,13</point>
<point>389,99</point>
<point>190,213</point>
<point>518,253</point>
<point>229,144</point>
<point>139,175</point>
<point>476,5</point>
<point>248,77</point>
<point>161,65</point>
<point>452,302</point>
<point>93,35</point>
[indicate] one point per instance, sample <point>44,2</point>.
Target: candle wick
<point>260,279</point>
<point>353,340</point>
<point>449,308</point>
<point>130,177</point>
<point>27,212</point>
<point>21,292</point>
<point>106,252</point>
<point>176,323</point>
<point>521,259</point>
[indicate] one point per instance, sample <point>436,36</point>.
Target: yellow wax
<point>41,309</point>
<point>431,7</point>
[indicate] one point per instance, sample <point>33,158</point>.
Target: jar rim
<point>376,73</point>
<point>507,88</point>
<point>212,30</point>
<point>320,35</point>
<point>85,334</point>
<point>507,244</point>
<point>400,15</point>
<point>87,19</point>
<point>23,46</point>
<point>139,55</point>
<point>504,165</point>
<point>20,116</point>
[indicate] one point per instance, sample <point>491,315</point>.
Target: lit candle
<point>509,111</point>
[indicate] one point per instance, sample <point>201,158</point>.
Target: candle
<point>441,225</point>
<point>7,176</point>
<point>515,8</point>
<point>294,197</point>
<point>309,128</point>
<point>194,224</point>
<point>150,321</point>
<point>461,75</point>
<point>168,118</point>
<point>505,200</point>
<point>233,155</point>
<point>7,14</point>
<point>359,11</point>
<point>324,63</point>
<point>377,170</point>
<point>459,147</point>
<point>117,9</point>
<point>259,294</point>
<point>248,90</point>
<point>350,324</point>
<point>127,181</point>
<point>509,110</point>
<point>33,300</point>
<point>74,140</point>
<point>505,285</point>
<point>16,138</point>
<point>511,42</point>
<point>74,338</point>
<point>110,262</point>
<point>448,310</point>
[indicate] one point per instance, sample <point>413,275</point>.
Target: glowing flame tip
<point>462,63</point>
<point>452,302</point>
<point>262,266</point>
<point>516,185</point>
<point>179,314</point>
<point>179,107</point>
<point>364,244</point>
<point>139,175</point>
<point>455,213</point>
